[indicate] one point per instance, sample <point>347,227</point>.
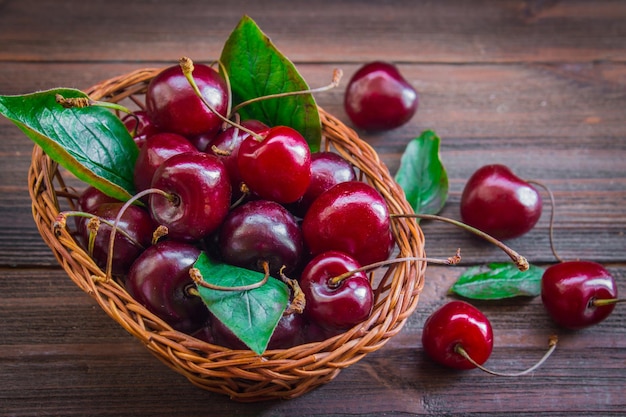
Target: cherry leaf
<point>422,175</point>
<point>91,142</point>
<point>496,281</point>
<point>252,315</point>
<point>256,68</point>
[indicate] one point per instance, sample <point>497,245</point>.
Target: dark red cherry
<point>457,323</point>
<point>139,126</point>
<point>137,227</point>
<point>199,195</point>
<point>378,97</point>
<point>156,149</point>
<point>327,169</point>
<point>278,167</point>
<point>499,203</point>
<point>572,293</point>
<point>91,198</point>
<point>173,105</point>
<point>258,231</point>
<point>350,217</point>
<point>336,304</point>
<point>226,146</point>
<point>159,280</point>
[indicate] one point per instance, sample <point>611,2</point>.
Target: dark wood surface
<point>537,85</point>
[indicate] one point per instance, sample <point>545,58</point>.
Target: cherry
<point>378,97</point>
<point>197,195</point>
<point>331,303</point>
<point>226,146</point>
<point>173,105</point>
<point>578,294</point>
<point>261,231</point>
<point>139,126</point>
<point>134,234</point>
<point>159,280</point>
<point>351,217</point>
<point>154,152</point>
<point>499,203</point>
<point>277,165</point>
<point>327,169</point>
<point>454,324</point>
<point>91,198</point>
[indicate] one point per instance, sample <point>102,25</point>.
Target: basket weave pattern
<point>240,374</point>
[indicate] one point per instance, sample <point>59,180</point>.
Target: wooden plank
<point>483,113</point>
<point>452,31</point>
<point>59,346</point>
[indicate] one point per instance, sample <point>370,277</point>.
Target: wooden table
<point>537,85</point>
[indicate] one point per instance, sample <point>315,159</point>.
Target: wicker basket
<point>242,375</point>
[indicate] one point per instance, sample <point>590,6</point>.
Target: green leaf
<point>256,68</point>
<point>90,142</point>
<point>252,315</point>
<point>497,281</point>
<point>422,175</point>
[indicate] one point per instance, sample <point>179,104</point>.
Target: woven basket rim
<point>240,374</point>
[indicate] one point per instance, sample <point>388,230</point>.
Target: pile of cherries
<point>248,195</point>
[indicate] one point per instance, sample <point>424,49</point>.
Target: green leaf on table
<point>496,281</point>
<point>256,68</point>
<point>252,315</point>
<point>422,175</point>
<point>91,142</point>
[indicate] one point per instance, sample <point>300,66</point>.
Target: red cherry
<point>173,105</point>
<point>277,167</point>
<point>351,217</point>
<point>499,203</point>
<point>378,97</point>
<point>336,305</point>
<point>457,323</point>
<point>139,126</point>
<point>199,195</point>
<point>159,280</point>
<point>571,290</point>
<point>156,149</point>
<point>91,198</point>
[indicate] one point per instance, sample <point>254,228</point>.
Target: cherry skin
<point>226,146</point>
<point>91,198</point>
<point>159,280</point>
<point>351,217</point>
<point>499,203</point>
<point>156,149</point>
<point>258,231</point>
<point>457,323</point>
<point>278,167</point>
<point>173,106</point>
<point>199,192</point>
<point>378,97</point>
<point>327,169</point>
<point>569,289</point>
<point>139,126</point>
<point>336,305</point>
<point>137,225</point>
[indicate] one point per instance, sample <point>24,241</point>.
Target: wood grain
<point>539,85</point>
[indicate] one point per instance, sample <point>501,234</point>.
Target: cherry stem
<point>552,214</point>
<point>109,265</point>
<point>453,260</point>
<point>197,277</point>
<point>298,300</point>
<point>61,222</point>
<point>605,302</point>
<point>552,342</point>
<point>337,74</point>
<point>520,261</point>
<point>82,102</point>
<point>186,64</point>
